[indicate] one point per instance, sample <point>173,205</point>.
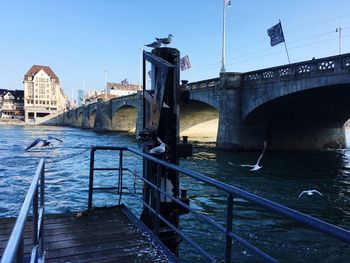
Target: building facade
<point>11,104</point>
<point>122,89</point>
<point>80,97</point>
<point>43,94</point>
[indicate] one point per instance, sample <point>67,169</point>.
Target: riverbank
<point>11,122</point>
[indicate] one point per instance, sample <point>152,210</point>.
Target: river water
<point>283,176</point>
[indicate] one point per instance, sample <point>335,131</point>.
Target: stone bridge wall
<point>236,96</point>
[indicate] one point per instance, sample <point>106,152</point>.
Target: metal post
<point>42,206</point>
<point>120,180</point>
<point>223,38</point>
<point>35,218</point>
<point>338,29</point>
<point>20,251</point>
<point>91,177</point>
<point>229,228</point>
<point>156,221</point>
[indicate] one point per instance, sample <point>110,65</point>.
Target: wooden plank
<point>102,235</point>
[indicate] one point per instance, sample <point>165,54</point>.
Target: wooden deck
<point>104,235</point>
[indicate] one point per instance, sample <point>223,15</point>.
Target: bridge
<point>296,106</point>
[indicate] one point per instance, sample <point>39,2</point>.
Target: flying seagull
<point>309,192</point>
<point>165,41</point>
<point>256,166</point>
<point>45,142</point>
<point>155,44</point>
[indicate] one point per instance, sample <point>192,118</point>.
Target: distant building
<point>122,89</point>
<point>42,93</point>
<point>93,96</point>
<point>11,104</point>
<point>80,97</point>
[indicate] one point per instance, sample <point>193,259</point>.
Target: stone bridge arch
<point>79,118</point>
<point>199,120</point>
<point>310,118</point>
<point>126,114</point>
<point>125,119</point>
<point>267,85</point>
<point>92,118</point>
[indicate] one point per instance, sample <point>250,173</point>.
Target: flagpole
<point>223,38</point>
<point>285,45</point>
<point>140,66</point>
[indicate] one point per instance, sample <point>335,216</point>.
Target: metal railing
<point>305,220</point>
<point>14,251</point>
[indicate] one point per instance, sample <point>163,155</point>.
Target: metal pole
<point>158,183</point>
<point>340,40</point>
<point>42,206</point>
<point>91,177</point>
<point>223,38</point>
<point>105,89</point>
<point>229,227</point>
<point>285,45</point>
<point>35,218</point>
<point>120,181</point>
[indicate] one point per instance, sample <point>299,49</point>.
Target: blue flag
<point>276,34</point>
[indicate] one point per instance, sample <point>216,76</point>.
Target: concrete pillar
<point>85,118</point>
<point>103,120</point>
<point>233,134</point>
<point>228,136</point>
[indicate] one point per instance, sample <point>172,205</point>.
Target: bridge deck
<point>103,235</point>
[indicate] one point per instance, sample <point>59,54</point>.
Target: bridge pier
<point>306,138</point>
<point>103,116</point>
<point>233,134</point>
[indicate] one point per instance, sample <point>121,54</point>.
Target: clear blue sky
<point>80,39</point>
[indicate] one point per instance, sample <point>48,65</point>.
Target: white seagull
<point>155,44</point>
<point>159,149</point>
<point>165,41</point>
<point>309,192</point>
<point>45,142</point>
<point>256,166</point>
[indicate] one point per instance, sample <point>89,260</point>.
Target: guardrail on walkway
<point>14,251</point>
<point>305,220</point>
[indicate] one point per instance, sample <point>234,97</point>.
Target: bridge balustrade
<point>209,83</point>
<point>311,68</point>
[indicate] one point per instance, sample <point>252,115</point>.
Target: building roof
<point>119,86</point>
<point>16,93</point>
<point>36,68</point>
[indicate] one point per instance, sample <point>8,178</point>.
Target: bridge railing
<point>209,83</point>
<point>123,170</point>
<point>310,68</point>
<point>14,251</point>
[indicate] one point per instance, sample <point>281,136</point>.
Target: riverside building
<point>43,94</point>
<point>11,104</point>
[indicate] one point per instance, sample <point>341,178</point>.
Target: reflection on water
<point>283,176</point>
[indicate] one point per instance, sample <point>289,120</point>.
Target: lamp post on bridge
<point>226,3</point>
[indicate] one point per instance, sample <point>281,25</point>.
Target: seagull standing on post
<point>159,149</point>
<point>165,41</point>
<point>155,44</point>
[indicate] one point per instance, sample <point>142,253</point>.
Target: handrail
<point>316,224</point>
<point>14,251</point>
